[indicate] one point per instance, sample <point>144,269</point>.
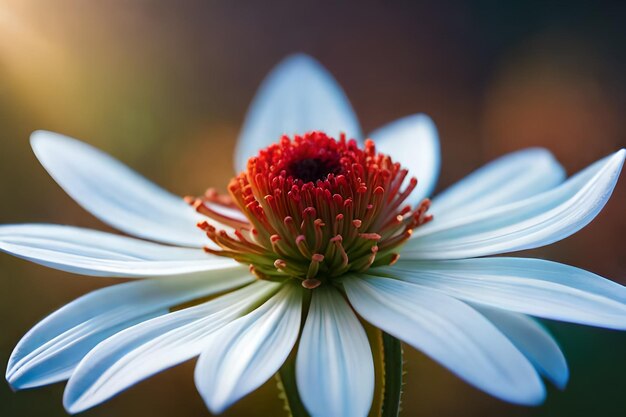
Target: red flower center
<point>317,208</point>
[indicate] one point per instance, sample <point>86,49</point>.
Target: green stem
<point>392,357</point>
<point>289,391</point>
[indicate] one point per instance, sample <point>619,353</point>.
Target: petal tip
<point>13,375</point>
<point>38,140</point>
<point>12,381</point>
<point>561,381</point>
<point>74,409</point>
<point>299,61</point>
<point>559,376</point>
<point>74,404</point>
<point>41,138</point>
<point>11,378</point>
<point>423,118</point>
<point>531,394</point>
<point>216,407</point>
<point>298,67</point>
<point>536,398</point>
<point>615,161</point>
<point>614,165</point>
<point>71,407</point>
<point>46,143</point>
<point>216,404</point>
<point>38,135</point>
<point>423,124</point>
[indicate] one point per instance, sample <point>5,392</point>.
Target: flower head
<point>327,227</point>
<point>317,208</point>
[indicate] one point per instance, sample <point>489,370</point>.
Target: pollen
<point>315,208</point>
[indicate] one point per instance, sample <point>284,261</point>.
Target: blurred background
<point>164,86</point>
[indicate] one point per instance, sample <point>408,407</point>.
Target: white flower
<point>469,312</point>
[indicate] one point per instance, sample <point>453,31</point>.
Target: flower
<point>428,283</point>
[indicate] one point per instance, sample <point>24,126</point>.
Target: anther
<point>315,207</point>
<point>311,283</point>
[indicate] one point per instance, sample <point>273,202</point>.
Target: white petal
<point>533,340</point>
<point>153,346</point>
<point>451,333</point>
<point>510,178</point>
<point>537,221</point>
<point>298,96</point>
<point>334,367</point>
<point>413,141</point>
<point>530,286</point>
<point>116,194</point>
<point>90,252</point>
<point>246,353</point>
<point>50,351</point>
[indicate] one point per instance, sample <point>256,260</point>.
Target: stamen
<point>316,208</point>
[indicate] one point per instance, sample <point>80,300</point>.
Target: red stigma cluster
<point>317,208</point>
